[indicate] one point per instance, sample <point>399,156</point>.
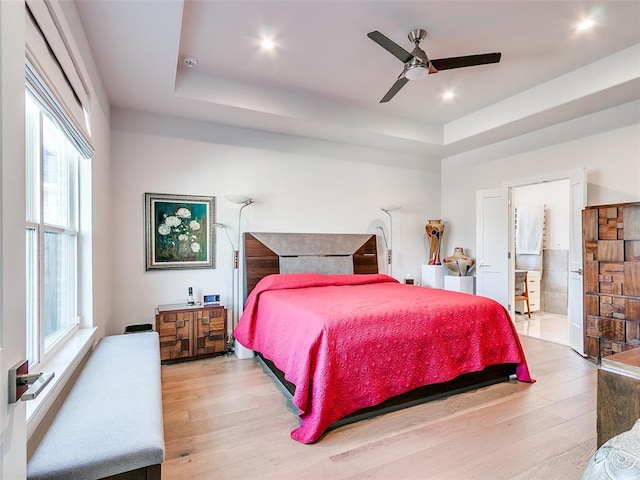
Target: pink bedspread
<point>352,341</point>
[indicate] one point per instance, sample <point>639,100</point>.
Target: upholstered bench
<point>110,424</point>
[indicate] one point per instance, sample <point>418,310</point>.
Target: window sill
<point>63,363</point>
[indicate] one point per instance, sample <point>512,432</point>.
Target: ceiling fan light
<point>417,72</point>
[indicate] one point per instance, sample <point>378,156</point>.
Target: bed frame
<point>269,253</point>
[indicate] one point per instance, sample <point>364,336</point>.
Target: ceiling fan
<point>417,65</point>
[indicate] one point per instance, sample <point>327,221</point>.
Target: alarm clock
<point>211,299</point>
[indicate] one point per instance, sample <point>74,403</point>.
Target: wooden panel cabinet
<point>611,247</point>
<point>618,394</point>
<point>188,332</point>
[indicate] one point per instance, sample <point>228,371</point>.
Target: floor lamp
<point>389,245</point>
<point>233,308</point>
<point>235,289</point>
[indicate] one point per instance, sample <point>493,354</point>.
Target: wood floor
<point>225,419</point>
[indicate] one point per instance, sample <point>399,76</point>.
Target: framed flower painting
<point>179,231</point>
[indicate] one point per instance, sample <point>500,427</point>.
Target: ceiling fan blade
<point>390,46</point>
<point>395,88</point>
<point>468,61</point>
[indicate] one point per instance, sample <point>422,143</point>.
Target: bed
<point>347,341</point>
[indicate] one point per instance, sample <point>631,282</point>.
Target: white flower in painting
<point>195,247</point>
<point>183,237</point>
<point>194,225</point>
<point>183,213</point>
<point>164,229</point>
<point>172,221</point>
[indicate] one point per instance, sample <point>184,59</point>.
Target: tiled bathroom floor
<point>545,326</point>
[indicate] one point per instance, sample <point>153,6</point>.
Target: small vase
<point>435,229</point>
<point>459,264</point>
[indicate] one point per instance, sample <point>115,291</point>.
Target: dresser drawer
<point>533,286</point>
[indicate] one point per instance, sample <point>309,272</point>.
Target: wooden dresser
<point>611,248</point>
<point>618,394</point>
<point>188,332</point>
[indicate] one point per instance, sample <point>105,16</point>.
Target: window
<point>58,149</point>
<point>51,231</point>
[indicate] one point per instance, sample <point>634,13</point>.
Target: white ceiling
<point>325,77</point>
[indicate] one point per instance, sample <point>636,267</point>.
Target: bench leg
<point>152,472</point>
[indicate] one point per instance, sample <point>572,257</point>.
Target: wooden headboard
<point>331,253</point>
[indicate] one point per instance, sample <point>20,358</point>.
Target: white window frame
<point>36,229</point>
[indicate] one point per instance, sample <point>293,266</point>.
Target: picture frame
<point>179,231</point>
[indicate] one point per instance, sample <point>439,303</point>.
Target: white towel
<point>529,230</point>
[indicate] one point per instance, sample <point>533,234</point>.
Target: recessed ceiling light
<point>267,44</point>
<point>585,24</point>
<point>448,95</point>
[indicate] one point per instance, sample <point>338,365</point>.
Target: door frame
<point>575,219</point>
<point>13,432</point>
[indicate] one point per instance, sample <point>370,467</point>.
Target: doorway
<point>495,267</point>
<point>541,220</point>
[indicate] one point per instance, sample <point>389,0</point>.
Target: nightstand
<point>459,284</point>
<point>191,331</point>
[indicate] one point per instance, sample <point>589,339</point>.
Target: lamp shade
<point>238,198</point>
<point>390,208</point>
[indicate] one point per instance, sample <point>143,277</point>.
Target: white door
<point>492,245</point>
<point>12,235</point>
<point>578,200</point>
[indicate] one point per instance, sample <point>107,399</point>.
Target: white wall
<point>610,158</point>
<point>299,185</point>
<point>555,197</point>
